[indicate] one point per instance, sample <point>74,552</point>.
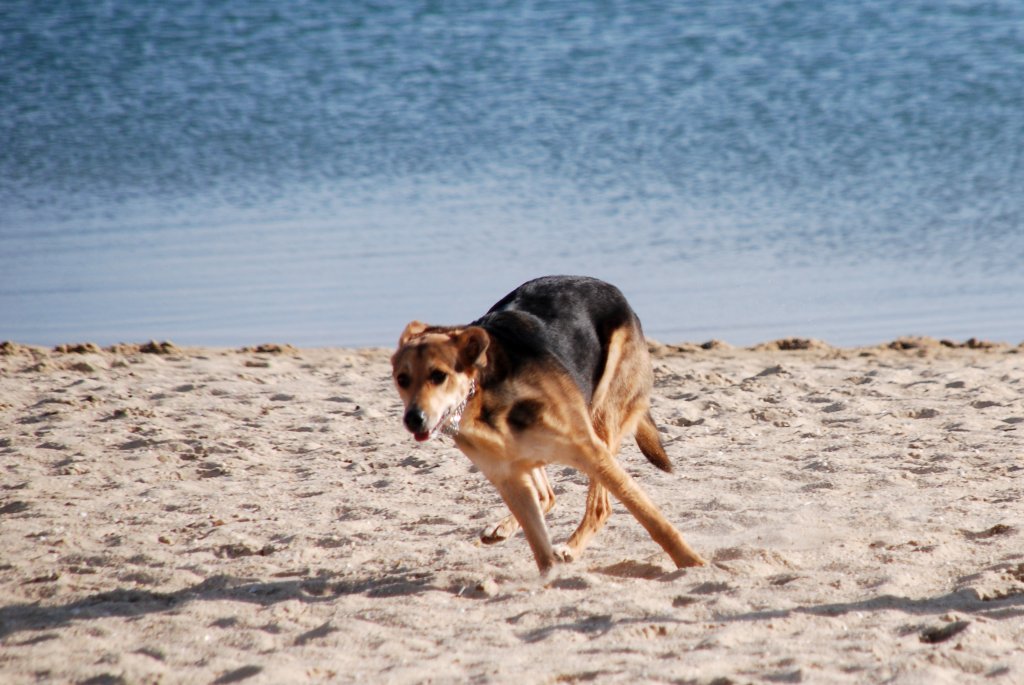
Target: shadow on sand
<point>326,588</point>
<point>964,601</point>
<point>135,602</point>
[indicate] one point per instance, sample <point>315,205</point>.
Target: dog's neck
<point>451,427</point>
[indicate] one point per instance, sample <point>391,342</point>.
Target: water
<point>319,173</point>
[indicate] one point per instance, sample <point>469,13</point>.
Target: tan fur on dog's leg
<point>500,531</point>
<point>507,527</point>
<point>599,509</point>
<point>566,430</point>
<point>615,478</point>
<point>599,505</point>
<point>519,493</point>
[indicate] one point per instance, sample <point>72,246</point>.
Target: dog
<point>556,372</point>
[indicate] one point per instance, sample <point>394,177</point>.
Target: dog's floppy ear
<point>411,331</point>
<point>472,343</point>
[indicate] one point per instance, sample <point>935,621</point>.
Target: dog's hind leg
<point>594,458</point>
<point>597,460</point>
<point>599,508</point>
<point>610,474</point>
<point>599,505</point>
<point>507,527</point>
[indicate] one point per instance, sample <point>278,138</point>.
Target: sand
<point>259,516</point>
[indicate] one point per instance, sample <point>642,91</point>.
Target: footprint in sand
<point>985,404</point>
<point>922,413</point>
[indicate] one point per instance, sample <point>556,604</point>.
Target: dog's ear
<point>472,344</point>
<point>411,331</point>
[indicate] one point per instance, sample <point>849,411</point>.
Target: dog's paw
<point>565,554</point>
<point>499,532</point>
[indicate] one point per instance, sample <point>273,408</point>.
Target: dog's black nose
<point>416,420</point>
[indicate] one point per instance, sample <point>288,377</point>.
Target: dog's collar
<point>451,426</point>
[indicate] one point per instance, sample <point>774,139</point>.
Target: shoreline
<point>656,347</point>
<point>258,515</point>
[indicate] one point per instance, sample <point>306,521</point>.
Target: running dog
<point>557,372</point>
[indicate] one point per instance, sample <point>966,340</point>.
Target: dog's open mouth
<point>441,426</point>
<point>450,420</point>
<point>427,435</point>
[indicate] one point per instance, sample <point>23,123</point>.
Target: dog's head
<point>434,369</point>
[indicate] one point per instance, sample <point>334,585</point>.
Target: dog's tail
<point>649,441</point>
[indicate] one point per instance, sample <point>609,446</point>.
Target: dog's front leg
<point>506,527</point>
<point>517,488</point>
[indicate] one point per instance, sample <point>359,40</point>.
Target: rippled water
<point>319,172</point>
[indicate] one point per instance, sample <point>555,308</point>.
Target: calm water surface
<point>319,173</point>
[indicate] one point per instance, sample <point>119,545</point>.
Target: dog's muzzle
<point>415,420</point>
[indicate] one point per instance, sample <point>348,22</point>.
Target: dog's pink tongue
<point>420,437</point>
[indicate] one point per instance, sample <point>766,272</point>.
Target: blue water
<point>320,172</point>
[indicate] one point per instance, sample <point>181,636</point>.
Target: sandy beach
<point>199,515</point>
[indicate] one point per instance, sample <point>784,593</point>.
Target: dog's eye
<point>403,380</point>
<point>438,377</point>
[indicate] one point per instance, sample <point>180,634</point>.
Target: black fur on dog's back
<point>568,317</point>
